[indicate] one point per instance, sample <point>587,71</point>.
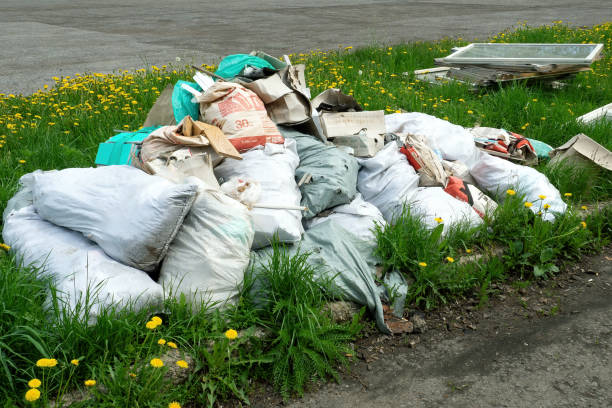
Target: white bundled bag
<point>273,167</point>
<point>430,203</point>
<point>131,215</point>
<point>454,142</point>
<point>358,217</point>
<point>208,257</point>
<point>490,173</point>
<point>497,176</point>
<point>387,181</point>
<point>81,272</point>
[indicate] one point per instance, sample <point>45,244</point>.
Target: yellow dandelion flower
<point>34,383</point>
<point>568,194</point>
<point>151,325</point>
<point>438,220</point>
<point>542,196</point>
<point>157,320</point>
<point>174,404</point>
<point>583,224</point>
<point>157,363</point>
<point>22,161</point>
<point>584,207</point>
<point>32,395</point>
<point>231,334</point>
<point>450,259</point>
<point>469,251</point>
<point>5,247</point>
<point>528,204</point>
<point>546,206</point>
<point>46,362</point>
<point>171,344</point>
<point>161,342</point>
<point>510,192</point>
<point>90,383</point>
<point>132,375</point>
<point>422,264</point>
<point>182,364</point>
<point>74,362</point>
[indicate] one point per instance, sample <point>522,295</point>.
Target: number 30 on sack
<point>242,123</point>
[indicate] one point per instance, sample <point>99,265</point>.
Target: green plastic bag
<point>232,65</point>
<point>120,148</point>
<point>334,173</point>
<point>181,102</point>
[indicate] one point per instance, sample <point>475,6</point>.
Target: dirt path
<point>545,346</point>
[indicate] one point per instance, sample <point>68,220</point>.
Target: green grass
<point>61,127</point>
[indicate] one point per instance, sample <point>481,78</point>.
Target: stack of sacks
<point>273,167</point>
<point>94,232</point>
<point>490,173</point>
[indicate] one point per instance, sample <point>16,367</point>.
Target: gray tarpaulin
<point>334,173</point>
<point>337,252</point>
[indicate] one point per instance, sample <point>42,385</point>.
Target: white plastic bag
<point>387,181</point>
<point>208,257</point>
<point>131,215</point>
<point>497,176</point>
<point>273,167</point>
<point>81,272</point>
<point>490,173</point>
<point>430,203</point>
<point>358,217</point>
<point>454,142</point>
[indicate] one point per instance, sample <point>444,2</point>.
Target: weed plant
<point>307,344</point>
<point>533,248</point>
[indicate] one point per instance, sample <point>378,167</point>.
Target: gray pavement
<point>46,38</point>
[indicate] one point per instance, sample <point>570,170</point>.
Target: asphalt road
<point>512,358</point>
<point>46,38</point>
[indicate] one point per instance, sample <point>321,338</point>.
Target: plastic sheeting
<point>273,167</point>
<point>207,259</point>
<point>359,217</point>
<point>339,253</point>
<point>131,215</point>
<point>334,173</point>
<point>86,279</point>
